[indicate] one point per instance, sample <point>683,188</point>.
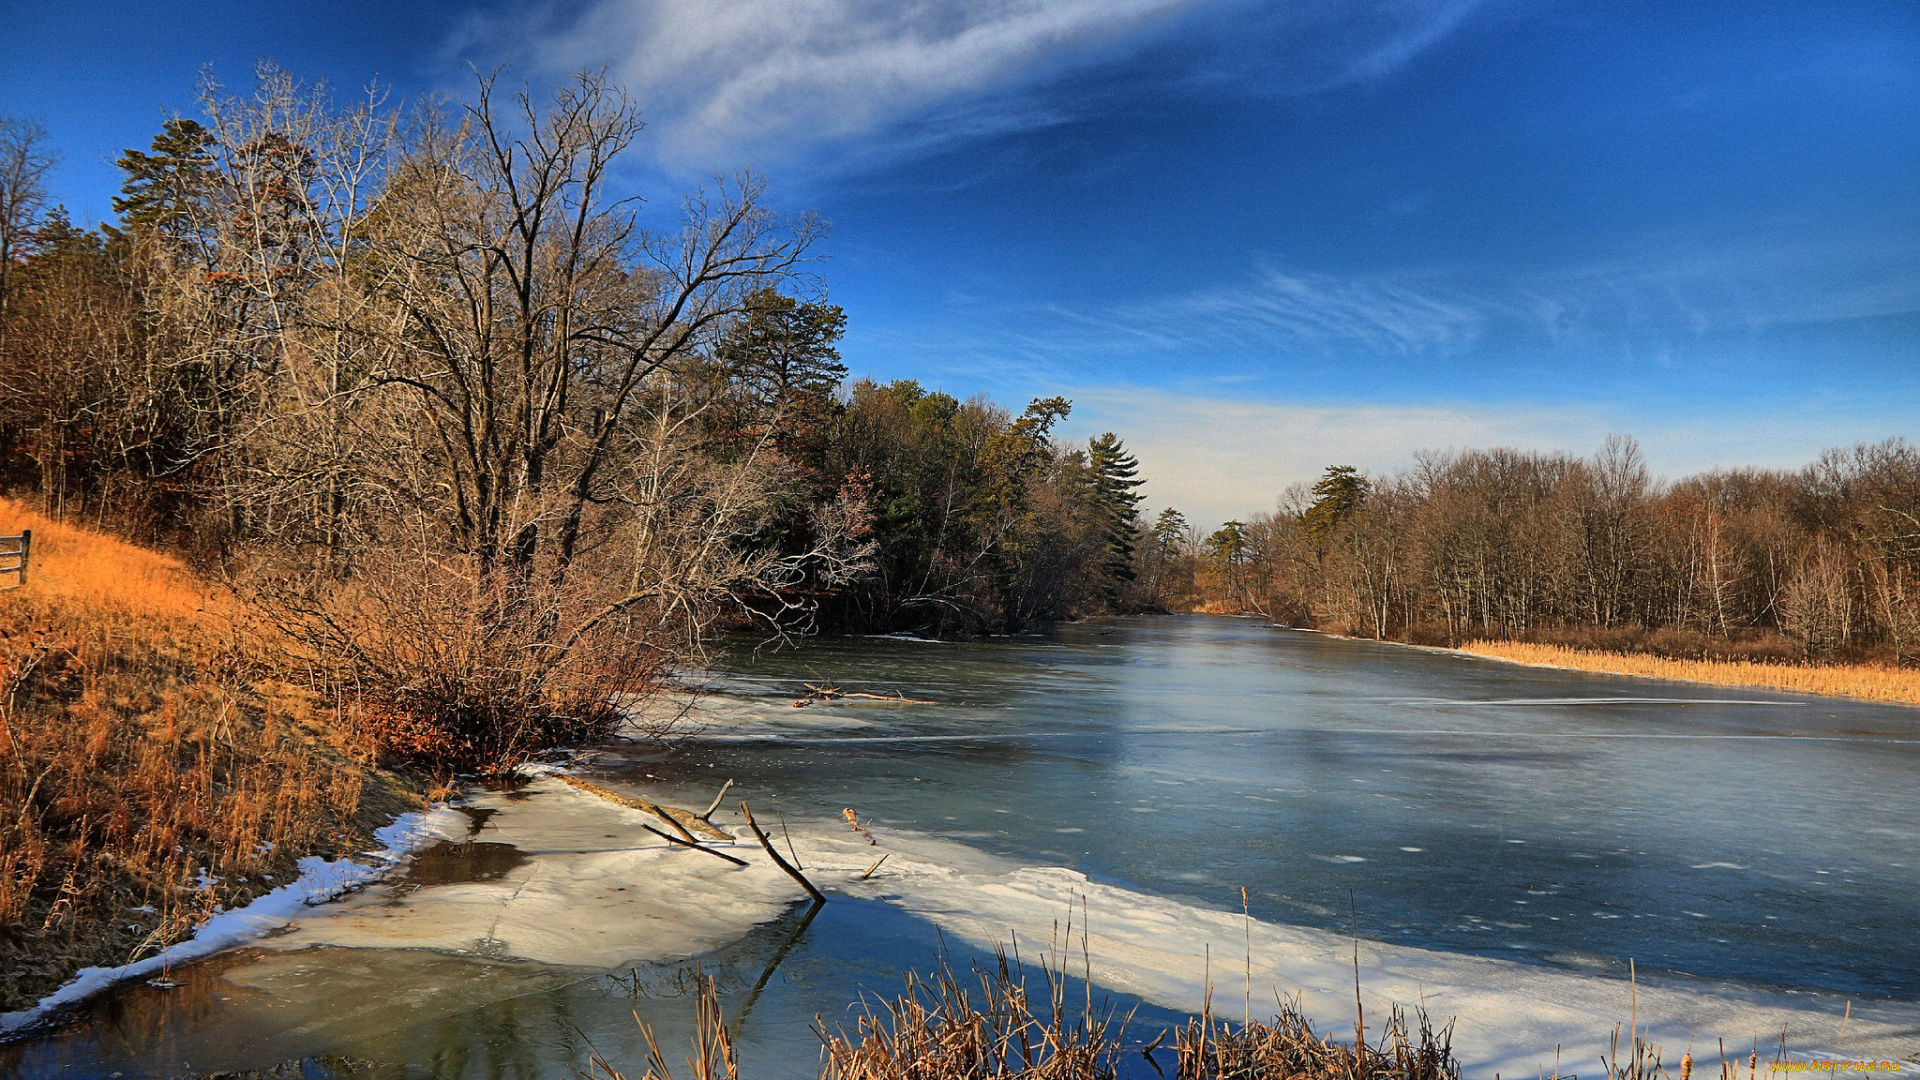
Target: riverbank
<point>554,916</point>
<point>1860,681</point>
<point>153,770</point>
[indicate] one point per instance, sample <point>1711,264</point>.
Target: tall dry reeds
<point>712,1058</point>
<point>147,774</point>
<point>942,1027</point>
<point>1287,1047</point>
<point>1900,685</point>
<point>991,1028</point>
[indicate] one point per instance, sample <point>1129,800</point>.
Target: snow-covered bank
<point>320,880</point>
<point>592,889</point>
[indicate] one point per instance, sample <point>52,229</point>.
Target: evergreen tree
<point>1169,532</point>
<point>1227,549</point>
<point>162,187</point>
<point>1338,494</point>
<point>784,347</point>
<point>1114,475</point>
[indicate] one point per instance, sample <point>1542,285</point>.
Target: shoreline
<point>1145,945</point>
<point>1902,686</point>
<point>320,881</point>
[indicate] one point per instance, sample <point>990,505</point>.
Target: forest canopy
<point>481,444</point>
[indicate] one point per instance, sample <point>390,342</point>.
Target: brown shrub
<point>440,670</point>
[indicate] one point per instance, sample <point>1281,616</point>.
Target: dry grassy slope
<point>145,751</point>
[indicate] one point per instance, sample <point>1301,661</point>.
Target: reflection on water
<point>454,862</point>
<point>391,1014</point>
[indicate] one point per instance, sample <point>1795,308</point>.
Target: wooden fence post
<point>20,553</point>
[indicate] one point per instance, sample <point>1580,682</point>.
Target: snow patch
<point>1511,1016</point>
<point>320,880</point>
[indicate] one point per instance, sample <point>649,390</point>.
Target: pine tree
<point>1338,494</point>
<point>1169,532</point>
<point>1114,473</point>
<point>162,187</point>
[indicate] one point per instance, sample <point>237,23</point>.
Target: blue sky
<point>1254,239</point>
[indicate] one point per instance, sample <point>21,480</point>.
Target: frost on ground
<point>320,880</point>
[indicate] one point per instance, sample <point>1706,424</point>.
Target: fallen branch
<point>818,896</point>
<point>825,693</point>
<point>683,821</point>
<point>671,839</point>
<point>715,804</point>
<point>871,869</point>
<point>853,819</point>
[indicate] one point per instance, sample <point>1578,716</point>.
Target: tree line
<point>484,441</point>
<point>1819,564</point>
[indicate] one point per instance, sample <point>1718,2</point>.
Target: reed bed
<point>1897,685</point>
<point>149,774</point>
<point>944,1028</point>
<point>989,1027</point>
<point>1287,1047</point>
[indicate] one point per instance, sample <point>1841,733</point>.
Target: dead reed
<point>712,1058</point>
<point>148,773</point>
<point>1899,685</point>
<point>1287,1047</point>
<point>942,1028</point>
<point>990,1027</point>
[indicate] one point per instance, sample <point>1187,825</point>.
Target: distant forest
<point>1822,564</point>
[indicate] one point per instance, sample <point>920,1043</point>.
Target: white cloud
<point>726,80</point>
<point>722,77</point>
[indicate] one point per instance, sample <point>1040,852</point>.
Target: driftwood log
<point>684,822</point>
<point>829,692</point>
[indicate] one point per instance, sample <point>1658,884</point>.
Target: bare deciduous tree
<point>25,160</point>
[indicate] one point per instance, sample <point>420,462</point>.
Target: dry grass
<point>943,1028</point>
<point>1287,1048</point>
<point>1839,680</point>
<point>990,1028</point>
<point>147,772</point>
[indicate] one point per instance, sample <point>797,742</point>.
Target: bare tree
<point>25,160</point>
<point>480,373</point>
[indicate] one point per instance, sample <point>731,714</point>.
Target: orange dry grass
<point>1839,680</point>
<point>108,576</point>
<point>143,780</point>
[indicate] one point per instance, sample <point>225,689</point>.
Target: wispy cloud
<point>1662,299</point>
<point>720,78</point>
<point>723,80</point>
<point>1382,315</point>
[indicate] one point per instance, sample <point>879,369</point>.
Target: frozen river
<point>1504,839</point>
